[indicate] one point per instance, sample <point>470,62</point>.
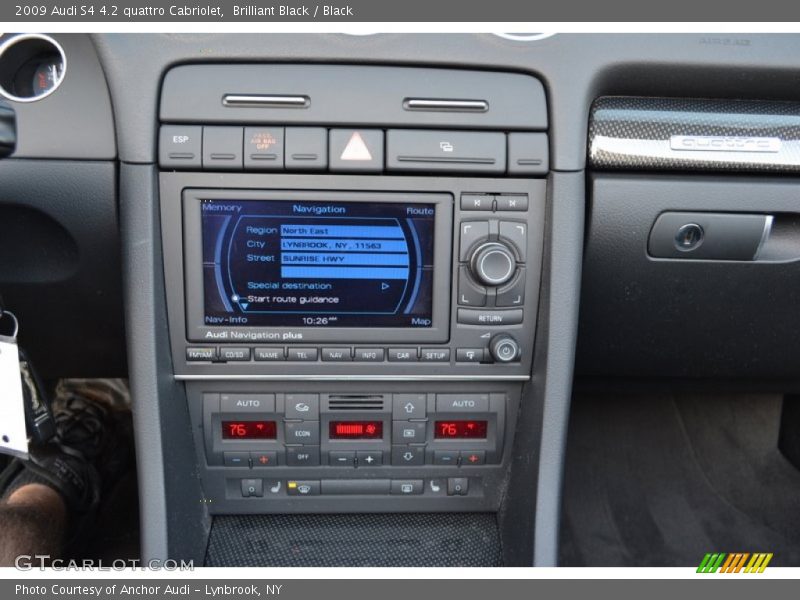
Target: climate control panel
<point>353,431</point>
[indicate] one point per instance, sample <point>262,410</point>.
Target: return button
<point>470,316</point>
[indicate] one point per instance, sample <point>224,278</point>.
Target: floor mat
<point>359,540</point>
<point>660,480</point>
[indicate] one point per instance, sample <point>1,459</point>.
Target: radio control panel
<point>441,280</point>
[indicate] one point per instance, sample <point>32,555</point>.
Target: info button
<point>370,354</point>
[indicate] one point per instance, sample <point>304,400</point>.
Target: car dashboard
<point>354,281</point>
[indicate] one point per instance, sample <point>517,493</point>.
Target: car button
<point>403,355</point>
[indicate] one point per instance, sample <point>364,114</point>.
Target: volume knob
<point>504,348</point>
<point>493,264</point>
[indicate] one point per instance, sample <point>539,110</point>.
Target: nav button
<point>336,354</point>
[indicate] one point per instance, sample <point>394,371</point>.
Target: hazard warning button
<point>356,150</point>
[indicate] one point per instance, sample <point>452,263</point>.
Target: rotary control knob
<point>493,264</point>
<point>504,348</point>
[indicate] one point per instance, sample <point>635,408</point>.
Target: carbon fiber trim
<point>634,133</point>
<point>360,540</point>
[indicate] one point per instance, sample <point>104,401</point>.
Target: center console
<point>353,258</point>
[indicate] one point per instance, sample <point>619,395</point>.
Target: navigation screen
<point>317,264</point>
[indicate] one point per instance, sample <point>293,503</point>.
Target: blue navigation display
<point>287,263</point>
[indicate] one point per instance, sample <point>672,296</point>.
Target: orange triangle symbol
<point>356,149</point>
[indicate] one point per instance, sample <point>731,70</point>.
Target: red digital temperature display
<point>356,430</point>
<point>249,430</point>
<point>461,429</point>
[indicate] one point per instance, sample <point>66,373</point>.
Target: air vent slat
<point>366,402</point>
